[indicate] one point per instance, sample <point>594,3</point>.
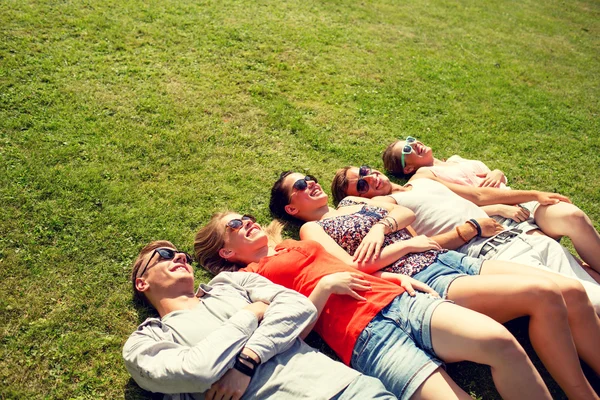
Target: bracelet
<point>392,223</point>
<point>243,368</point>
<point>249,359</point>
<point>476,225</point>
<point>460,235</point>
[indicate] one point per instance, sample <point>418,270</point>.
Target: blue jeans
<point>396,345</point>
<point>447,267</point>
<point>364,387</point>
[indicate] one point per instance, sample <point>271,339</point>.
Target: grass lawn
<point>126,121</point>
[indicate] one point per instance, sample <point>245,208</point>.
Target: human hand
<point>232,386</point>
<point>258,308</point>
<point>411,284</point>
<point>492,179</point>
<point>346,283</point>
<point>516,213</point>
<point>547,199</point>
<point>421,243</point>
<point>489,227</point>
<point>370,247</point>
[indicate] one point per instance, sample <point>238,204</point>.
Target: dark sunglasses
<point>301,184</point>
<point>166,254</point>
<point>362,186</point>
<point>237,223</point>
<point>407,149</point>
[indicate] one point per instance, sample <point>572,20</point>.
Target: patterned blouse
<point>349,230</point>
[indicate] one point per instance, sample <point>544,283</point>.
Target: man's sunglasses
<point>362,186</point>
<point>165,254</point>
<point>301,184</point>
<point>407,149</point>
<point>237,223</point>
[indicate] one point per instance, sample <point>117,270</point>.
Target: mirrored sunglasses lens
<point>410,139</point>
<point>300,184</point>
<point>311,178</point>
<point>235,224</point>
<point>188,258</point>
<point>407,149</point>
<point>166,254</point>
<point>362,186</point>
<point>364,170</point>
<point>248,217</point>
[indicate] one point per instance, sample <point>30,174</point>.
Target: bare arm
<point>389,254</point>
<point>483,196</point>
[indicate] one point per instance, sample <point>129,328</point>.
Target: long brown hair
<point>210,239</point>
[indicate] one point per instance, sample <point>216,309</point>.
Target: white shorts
<point>545,253</point>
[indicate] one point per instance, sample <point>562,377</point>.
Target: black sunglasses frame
<point>165,254</point>
<point>362,186</point>
<point>302,183</point>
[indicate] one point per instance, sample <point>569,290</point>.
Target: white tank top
<point>439,210</point>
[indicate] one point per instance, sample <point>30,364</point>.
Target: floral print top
<point>349,230</point>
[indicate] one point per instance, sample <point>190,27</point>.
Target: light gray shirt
<point>186,351</point>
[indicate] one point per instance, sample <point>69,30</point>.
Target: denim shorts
<point>396,345</point>
<point>447,267</point>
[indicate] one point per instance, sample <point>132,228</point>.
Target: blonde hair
<point>211,238</point>
<point>138,296</point>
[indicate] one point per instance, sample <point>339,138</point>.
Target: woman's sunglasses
<point>166,254</point>
<point>407,149</point>
<point>362,186</point>
<point>237,223</point>
<point>301,184</point>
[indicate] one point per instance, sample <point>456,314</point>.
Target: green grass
<point>127,121</point>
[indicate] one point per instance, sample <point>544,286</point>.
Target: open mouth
<point>252,229</point>
<point>316,191</point>
<point>179,267</point>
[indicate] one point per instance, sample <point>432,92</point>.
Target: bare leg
<point>583,320</point>
<point>505,297</point>
<point>460,334</point>
<point>440,386</point>
<point>595,275</point>
<point>564,219</point>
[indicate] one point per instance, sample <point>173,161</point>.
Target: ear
<point>226,253</point>
<point>290,209</point>
<point>141,285</point>
<point>409,169</point>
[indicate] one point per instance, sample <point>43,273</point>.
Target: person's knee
<point>575,219</point>
<point>574,294</point>
<point>546,295</point>
<point>502,346</point>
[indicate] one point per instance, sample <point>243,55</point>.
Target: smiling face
<point>379,184</point>
<point>158,274</point>
<point>241,244</point>
<point>420,156</point>
<point>306,199</point>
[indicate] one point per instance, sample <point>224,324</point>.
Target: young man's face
<point>165,268</point>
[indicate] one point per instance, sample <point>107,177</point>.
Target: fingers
<point>356,296</point>
<point>377,250</point>
<point>408,286</point>
<point>422,287</point>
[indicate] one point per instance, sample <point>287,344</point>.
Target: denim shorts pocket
<point>362,343</point>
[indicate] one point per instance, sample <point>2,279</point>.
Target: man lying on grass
<point>235,337</point>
